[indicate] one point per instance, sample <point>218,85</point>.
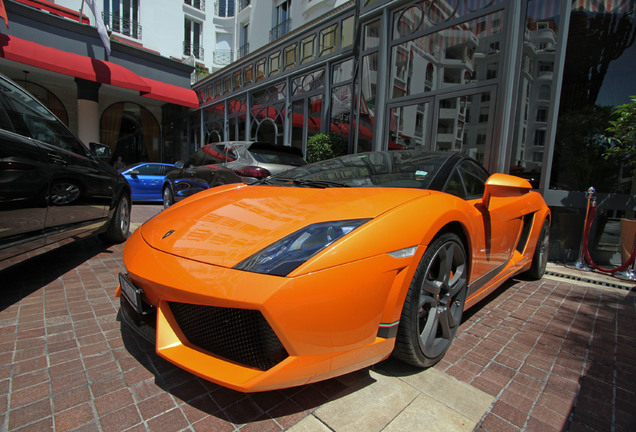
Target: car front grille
<point>240,335</point>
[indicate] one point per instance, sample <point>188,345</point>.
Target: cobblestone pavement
<point>553,355</point>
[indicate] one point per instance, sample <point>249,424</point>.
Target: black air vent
<point>525,232</point>
<point>240,335</point>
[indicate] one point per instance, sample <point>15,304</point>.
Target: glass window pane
<point>342,72</point>
<point>458,130</point>
<point>274,63</point>
<point>290,53</point>
<point>372,35</point>
<point>453,57</point>
<point>308,47</point>
<point>328,40</point>
<point>408,127</point>
<point>347,32</point>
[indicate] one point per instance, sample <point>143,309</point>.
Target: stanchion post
<point>580,264</point>
<point>630,273</point>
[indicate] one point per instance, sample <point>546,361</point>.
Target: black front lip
<point>144,325</point>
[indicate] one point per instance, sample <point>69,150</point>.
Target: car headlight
<point>283,256</point>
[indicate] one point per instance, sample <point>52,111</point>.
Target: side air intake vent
<point>525,232</point>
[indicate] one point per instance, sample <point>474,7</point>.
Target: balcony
<point>222,57</point>
<point>122,25</point>
<point>197,4</point>
<point>280,30</point>
<point>244,50</point>
<point>243,4</point>
<point>192,49</point>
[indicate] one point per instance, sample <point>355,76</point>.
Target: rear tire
<point>434,303</point>
<point>168,197</point>
<point>119,225</point>
<point>540,257</point>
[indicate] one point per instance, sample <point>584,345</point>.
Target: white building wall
<point>162,23</point>
<point>162,26</point>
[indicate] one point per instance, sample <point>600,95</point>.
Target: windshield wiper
<point>319,183</point>
<point>301,183</point>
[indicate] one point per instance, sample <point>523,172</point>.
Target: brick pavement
<point>553,355</point>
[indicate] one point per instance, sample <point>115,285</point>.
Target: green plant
<point>325,146</point>
<point>622,134</point>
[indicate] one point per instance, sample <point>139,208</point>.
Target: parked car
<point>52,188</point>
<point>228,162</point>
<point>146,180</point>
<point>329,267</point>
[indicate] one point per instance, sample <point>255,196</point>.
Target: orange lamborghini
<point>330,267</point>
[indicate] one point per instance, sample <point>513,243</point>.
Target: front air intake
<point>239,335</point>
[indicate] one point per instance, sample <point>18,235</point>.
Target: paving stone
<point>549,355</point>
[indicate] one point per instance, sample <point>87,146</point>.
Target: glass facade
<point>481,77</point>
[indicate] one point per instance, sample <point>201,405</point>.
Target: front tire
<point>119,225</point>
<point>434,303</point>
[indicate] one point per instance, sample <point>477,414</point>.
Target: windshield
<point>403,169</point>
<point>274,156</point>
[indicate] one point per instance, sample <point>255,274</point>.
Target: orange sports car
<point>330,267</point>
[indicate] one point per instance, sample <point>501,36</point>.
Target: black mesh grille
<point>525,232</point>
<point>240,335</point>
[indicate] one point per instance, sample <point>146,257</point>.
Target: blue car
<point>146,180</point>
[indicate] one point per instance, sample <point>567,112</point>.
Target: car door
<point>146,180</point>
<point>501,222</point>
<point>24,178</point>
<point>80,188</point>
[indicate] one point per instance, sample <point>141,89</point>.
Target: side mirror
<point>179,164</point>
<point>99,150</point>
<point>133,173</point>
<point>504,185</point>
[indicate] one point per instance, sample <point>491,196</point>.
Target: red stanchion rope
<point>588,257</point>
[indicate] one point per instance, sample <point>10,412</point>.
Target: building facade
<point>135,98</point>
<point>489,78</point>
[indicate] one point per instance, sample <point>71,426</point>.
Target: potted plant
<point>325,146</point>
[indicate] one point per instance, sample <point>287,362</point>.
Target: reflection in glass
<point>268,114</point>
<point>372,35</point>
<point>462,54</point>
<point>459,131</point>
<point>534,95</point>
<point>598,76</point>
<point>425,14</point>
<point>368,86</point>
<point>341,111</point>
<point>408,127</point>
<point>214,116</point>
<point>342,72</point>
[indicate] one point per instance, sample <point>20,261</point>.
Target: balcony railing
<point>222,57</point>
<point>193,49</point>
<point>122,25</point>
<point>280,30</point>
<point>244,50</point>
<point>198,4</point>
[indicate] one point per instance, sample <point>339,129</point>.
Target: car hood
<point>225,225</point>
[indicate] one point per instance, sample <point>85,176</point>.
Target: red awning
<point>171,93</point>
<point>67,63</point>
<point>90,69</point>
